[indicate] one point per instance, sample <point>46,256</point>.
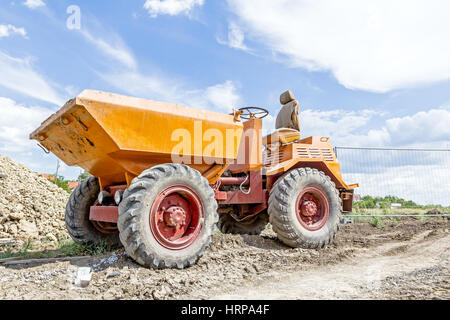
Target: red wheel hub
<point>312,208</point>
<point>176,217</point>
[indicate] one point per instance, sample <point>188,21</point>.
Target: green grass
<point>381,213</point>
<point>396,211</point>
<point>369,202</point>
<point>66,248</point>
<point>377,222</point>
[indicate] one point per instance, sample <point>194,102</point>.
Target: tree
<point>60,181</point>
<point>384,202</point>
<point>84,176</point>
<point>63,183</point>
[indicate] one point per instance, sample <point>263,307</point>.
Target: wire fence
<point>398,179</point>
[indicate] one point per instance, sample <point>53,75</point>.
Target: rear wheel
<point>253,226</point>
<point>80,228</point>
<point>305,208</point>
<point>167,216</point>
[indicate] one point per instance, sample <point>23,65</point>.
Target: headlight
<point>102,196</point>
<point>118,196</point>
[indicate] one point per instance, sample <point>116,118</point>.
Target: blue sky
<point>365,73</point>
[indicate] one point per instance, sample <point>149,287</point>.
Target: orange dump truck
<point>165,176</point>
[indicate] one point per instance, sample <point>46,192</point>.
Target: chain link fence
<point>398,180</point>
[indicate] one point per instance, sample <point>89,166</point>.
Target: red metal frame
<point>270,180</point>
<point>234,180</point>
<point>104,213</point>
<point>347,199</point>
<point>256,194</point>
<point>114,189</point>
<point>221,195</point>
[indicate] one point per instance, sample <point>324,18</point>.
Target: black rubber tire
<point>134,210</point>
<point>282,213</point>
<point>227,224</point>
<point>78,225</point>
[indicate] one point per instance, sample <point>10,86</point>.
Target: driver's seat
<point>287,124</point>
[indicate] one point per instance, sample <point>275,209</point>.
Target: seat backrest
<point>288,117</point>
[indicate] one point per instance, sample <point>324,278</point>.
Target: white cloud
<point>340,125</point>
<point>114,48</point>
<point>235,37</point>
<point>422,127</point>
<point>17,122</point>
<point>141,85</point>
<point>381,46</point>
<point>19,75</point>
<point>171,7</point>
<point>7,30</point>
<point>128,78</point>
<point>424,183</point>
<point>33,4</point>
<point>220,97</point>
<point>353,128</point>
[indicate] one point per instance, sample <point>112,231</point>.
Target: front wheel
<point>167,216</point>
<point>80,228</point>
<point>305,208</point>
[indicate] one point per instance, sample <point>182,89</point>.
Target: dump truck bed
<point>112,136</point>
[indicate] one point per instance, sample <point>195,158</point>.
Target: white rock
<point>112,274</point>
<point>84,276</point>
<point>52,237</point>
<point>13,229</point>
<point>29,228</point>
<point>16,215</point>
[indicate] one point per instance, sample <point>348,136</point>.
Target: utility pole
<point>57,169</point>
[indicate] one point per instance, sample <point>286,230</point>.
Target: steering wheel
<point>253,112</point>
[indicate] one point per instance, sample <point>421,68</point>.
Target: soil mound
<point>31,207</point>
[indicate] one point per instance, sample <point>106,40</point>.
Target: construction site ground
<point>404,259</point>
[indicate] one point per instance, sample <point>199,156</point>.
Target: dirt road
<point>403,260</point>
<point>416,268</point>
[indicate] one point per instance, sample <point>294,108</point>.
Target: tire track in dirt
<point>360,277</point>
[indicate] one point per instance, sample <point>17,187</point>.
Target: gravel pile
<point>31,207</point>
